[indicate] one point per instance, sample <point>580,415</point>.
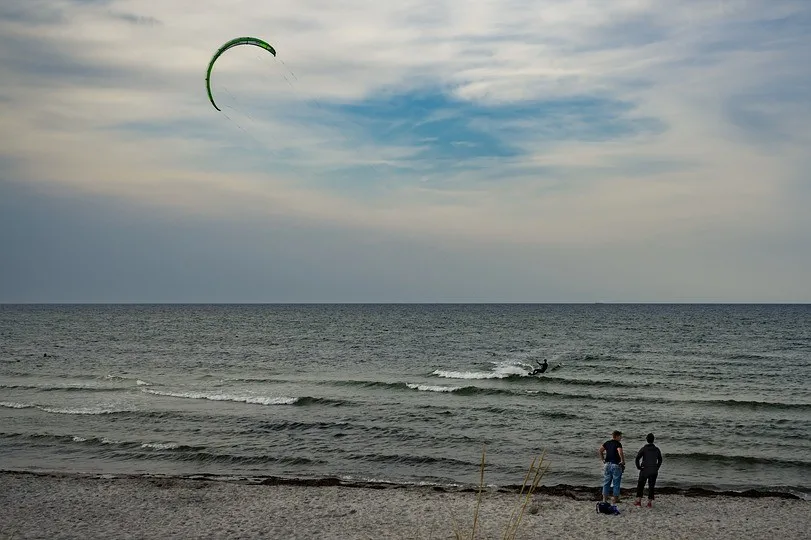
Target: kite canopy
<point>233,43</point>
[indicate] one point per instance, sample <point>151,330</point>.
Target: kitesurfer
<point>541,369</point>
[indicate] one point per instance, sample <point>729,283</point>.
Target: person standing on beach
<point>614,464</point>
<point>648,460</point>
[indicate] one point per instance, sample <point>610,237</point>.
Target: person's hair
<point>650,438</point>
<point>617,433</point>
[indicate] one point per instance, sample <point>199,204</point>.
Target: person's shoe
<point>650,504</point>
<point>637,503</point>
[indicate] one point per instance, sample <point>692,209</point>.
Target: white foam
<point>254,400</point>
<point>99,409</point>
<point>430,388</point>
<point>13,405</point>
<point>160,446</point>
<point>84,410</point>
<point>468,374</point>
<point>138,382</point>
<point>507,369</point>
<point>501,370</point>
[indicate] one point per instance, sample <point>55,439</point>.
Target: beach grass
<point>532,480</point>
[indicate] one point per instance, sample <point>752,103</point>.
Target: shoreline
<point>575,492</point>
<point>75,505</point>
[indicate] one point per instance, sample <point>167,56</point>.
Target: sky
<point>410,151</point>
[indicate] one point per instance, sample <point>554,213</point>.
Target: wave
<point>206,457</point>
<point>253,400</point>
<point>555,379</point>
<point>371,430</point>
<point>77,386</point>
<point>63,387</point>
<point>137,381</point>
<point>290,425</point>
<point>98,441</point>
<point>468,390</point>
<point>557,414</point>
<point>523,374</point>
<point>738,460</point>
<point>165,446</point>
<point>478,374</point>
<point>86,410</point>
<point>717,358</point>
<point>404,459</point>
<point>160,450</point>
<point>742,356</point>
<point>307,400</point>
<point>92,410</point>
<point>734,403</point>
<point>254,380</point>
<point>479,391</point>
<point>752,404</point>
<point>14,405</point>
<point>80,376</point>
<point>371,384</point>
<point>432,388</point>
<point>407,386</point>
<point>445,411</point>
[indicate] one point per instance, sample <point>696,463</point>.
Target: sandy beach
<point>73,506</point>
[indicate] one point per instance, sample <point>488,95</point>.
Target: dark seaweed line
<point>585,493</point>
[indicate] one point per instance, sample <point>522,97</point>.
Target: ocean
<point>409,393</point>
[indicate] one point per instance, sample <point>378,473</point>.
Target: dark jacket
<point>650,456</point>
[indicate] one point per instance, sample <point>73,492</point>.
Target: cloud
<point>519,122</point>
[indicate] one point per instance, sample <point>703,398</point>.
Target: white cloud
<point>83,82</point>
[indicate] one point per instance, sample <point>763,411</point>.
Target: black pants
<point>650,478</point>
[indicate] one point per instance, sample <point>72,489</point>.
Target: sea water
<point>409,393</point>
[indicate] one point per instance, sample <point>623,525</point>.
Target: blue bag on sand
<point>607,508</point>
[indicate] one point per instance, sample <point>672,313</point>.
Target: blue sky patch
<point>443,127</point>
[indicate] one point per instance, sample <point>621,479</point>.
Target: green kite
<point>233,43</point>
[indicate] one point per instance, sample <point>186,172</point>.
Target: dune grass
<point>535,473</point>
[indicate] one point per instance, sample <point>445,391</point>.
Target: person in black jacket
<point>648,460</point>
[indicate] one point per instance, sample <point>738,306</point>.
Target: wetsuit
<point>648,460</point>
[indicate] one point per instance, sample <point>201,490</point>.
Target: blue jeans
<point>612,473</point>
